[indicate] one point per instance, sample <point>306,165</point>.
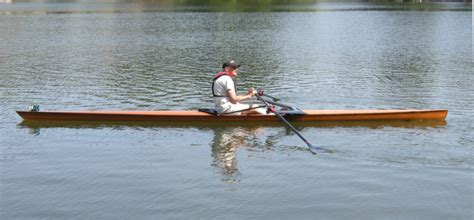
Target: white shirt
<point>221,86</point>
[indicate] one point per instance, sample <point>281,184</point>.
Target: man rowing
<point>226,100</point>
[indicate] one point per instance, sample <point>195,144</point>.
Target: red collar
<point>221,74</point>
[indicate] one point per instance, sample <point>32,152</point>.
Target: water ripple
<point>341,59</point>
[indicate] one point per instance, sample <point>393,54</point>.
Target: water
<point>71,56</point>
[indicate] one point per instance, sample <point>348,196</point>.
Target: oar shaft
<point>283,120</point>
<point>269,96</point>
<point>279,104</point>
<point>291,127</point>
<point>261,93</point>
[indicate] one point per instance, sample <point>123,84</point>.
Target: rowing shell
<point>196,116</point>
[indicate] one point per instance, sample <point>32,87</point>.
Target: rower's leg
<point>257,111</point>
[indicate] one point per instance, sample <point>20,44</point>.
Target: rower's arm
<point>234,98</point>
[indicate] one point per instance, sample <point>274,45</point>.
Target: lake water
<point>88,56</point>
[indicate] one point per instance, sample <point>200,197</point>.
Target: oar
<point>311,147</point>
<point>260,92</point>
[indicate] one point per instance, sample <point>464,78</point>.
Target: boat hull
<point>196,116</point>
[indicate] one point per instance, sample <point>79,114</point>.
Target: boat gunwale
<point>312,115</point>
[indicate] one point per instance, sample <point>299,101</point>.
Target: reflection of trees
<point>406,68</point>
<point>247,39</point>
<point>233,2</point>
<point>172,51</point>
<point>214,2</point>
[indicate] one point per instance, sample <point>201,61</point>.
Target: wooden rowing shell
<point>196,116</point>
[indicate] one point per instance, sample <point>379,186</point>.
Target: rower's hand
<point>251,91</point>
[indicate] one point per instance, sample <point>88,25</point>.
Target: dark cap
<point>232,64</point>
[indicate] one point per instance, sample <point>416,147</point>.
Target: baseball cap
<point>232,64</point>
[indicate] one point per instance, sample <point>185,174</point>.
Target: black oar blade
<point>318,150</point>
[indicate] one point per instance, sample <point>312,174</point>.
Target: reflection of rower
<point>224,149</point>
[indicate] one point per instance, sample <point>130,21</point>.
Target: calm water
<point>322,56</point>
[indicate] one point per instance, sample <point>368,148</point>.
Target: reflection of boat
<point>197,116</point>
<point>219,125</point>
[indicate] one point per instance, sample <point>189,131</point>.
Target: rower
<point>225,95</point>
